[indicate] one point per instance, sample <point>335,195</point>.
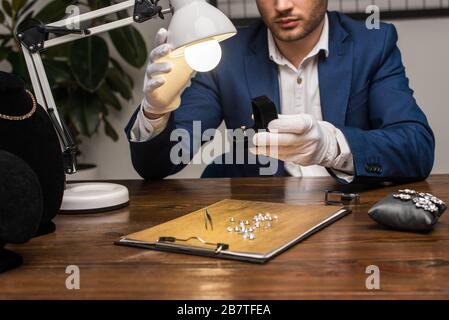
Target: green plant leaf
<point>89,60</point>
<point>97,4</point>
<point>61,95</point>
<point>104,111</point>
<point>118,84</point>
<point>2,17</point>
<point>126,76</point>
<point>108,97</point>
<point>57,71</point>
<point>86,109</point>
<point>130,45</point>
<point>18,4</point>
<point>104,3</point>
<point>7,7</point>
<point>109,130</point>
<point>28,6</point>
<point>53,11</point>
<point>62,51</point>
<point>4,53</point>
<point>18,64</point>
<point>93,4</point>
<point>27,16</point>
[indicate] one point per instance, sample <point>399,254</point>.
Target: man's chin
<point>287,35</point>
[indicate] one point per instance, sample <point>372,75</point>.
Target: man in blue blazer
<point>341,87</point>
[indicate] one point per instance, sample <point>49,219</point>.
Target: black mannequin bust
<point>15,101</point>
<point>31,137</point>
<point>20,206</point>
<point>8,259</point>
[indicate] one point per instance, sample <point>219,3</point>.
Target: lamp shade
<point>194,32</point>
<point>195,21</point>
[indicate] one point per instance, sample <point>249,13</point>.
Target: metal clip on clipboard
<point>170,241</point>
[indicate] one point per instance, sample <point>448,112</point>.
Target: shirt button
<point>299,80</point>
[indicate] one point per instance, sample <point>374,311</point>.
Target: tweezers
<point>208,220</point>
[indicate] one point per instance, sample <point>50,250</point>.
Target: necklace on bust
<point>25,116</point>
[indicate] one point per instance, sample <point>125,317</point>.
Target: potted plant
<point>86,81</point>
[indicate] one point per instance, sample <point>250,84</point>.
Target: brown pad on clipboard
<point>188,234</point>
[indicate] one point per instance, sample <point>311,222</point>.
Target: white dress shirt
<point>299,93</point>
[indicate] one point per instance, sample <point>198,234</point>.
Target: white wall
<point>425,47</point>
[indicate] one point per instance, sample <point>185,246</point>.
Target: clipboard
<point>190,234</point>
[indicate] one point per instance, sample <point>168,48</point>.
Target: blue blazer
<point>364,92</point>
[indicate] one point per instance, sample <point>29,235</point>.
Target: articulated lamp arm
<point>35,39</point>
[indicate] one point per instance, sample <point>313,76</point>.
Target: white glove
<point>300,139</point>
<point>165,78</point>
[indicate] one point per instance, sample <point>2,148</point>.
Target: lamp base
<point>94,197</point>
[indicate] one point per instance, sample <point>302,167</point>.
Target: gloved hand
<point>165,79</point>
<point>300,139</point>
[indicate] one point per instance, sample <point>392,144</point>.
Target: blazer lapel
<point>335,73</point>
<point>261,72</point>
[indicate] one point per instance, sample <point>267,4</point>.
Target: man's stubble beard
<point>308,28</point>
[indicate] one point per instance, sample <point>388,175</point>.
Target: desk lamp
<point>195,31</point>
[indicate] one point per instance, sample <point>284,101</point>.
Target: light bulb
<point>203,56</point>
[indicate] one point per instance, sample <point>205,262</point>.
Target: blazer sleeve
<point>400,147</point>
<point>200,110</point>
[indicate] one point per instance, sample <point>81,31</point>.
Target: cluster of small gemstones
<point>425,201</point>
<point>247,230</point>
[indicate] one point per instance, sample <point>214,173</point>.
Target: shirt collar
<point>322,44</point>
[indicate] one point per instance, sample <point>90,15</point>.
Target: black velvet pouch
<point>35,141</point>
<point>408,210</point>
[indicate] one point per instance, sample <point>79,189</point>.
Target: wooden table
<point>330,264</point>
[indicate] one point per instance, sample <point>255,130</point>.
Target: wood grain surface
<point>329,265</point>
